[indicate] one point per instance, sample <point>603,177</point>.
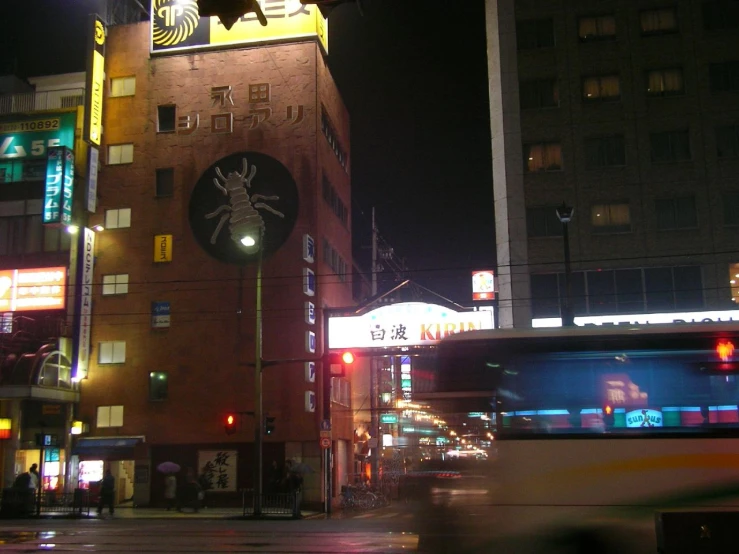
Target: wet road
<point>182,536</point>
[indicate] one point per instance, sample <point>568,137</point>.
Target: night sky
<point>414,78</point>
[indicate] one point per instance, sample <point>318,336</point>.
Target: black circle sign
<point>243,194</point>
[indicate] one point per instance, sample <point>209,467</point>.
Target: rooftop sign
<point>176,25</point>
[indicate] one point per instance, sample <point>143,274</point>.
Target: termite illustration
<point>244,219</point>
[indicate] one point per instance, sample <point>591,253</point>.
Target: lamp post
<point>564,213</point>
<point>253,244</point>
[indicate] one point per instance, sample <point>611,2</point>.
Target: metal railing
<point>37,101</point>
<point>276,503</point>
<point>24,503</point>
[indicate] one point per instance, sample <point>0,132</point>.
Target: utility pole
<point>375,269</point>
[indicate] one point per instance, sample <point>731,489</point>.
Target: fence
<point>24,503</point>
<point>276,503</point>
<point>37,101</point>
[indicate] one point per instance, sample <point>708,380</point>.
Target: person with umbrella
<point>170,483</point>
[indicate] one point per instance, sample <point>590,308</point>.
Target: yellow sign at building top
<point>176,26</point>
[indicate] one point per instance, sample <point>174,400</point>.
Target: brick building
<point>174,320</point>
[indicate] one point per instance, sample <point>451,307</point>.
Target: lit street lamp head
<point>251,244</point>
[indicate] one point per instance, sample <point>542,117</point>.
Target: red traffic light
<point>725,350</point>
<point>230,424</point>
<point>347,358</point>
<point>338,362</point>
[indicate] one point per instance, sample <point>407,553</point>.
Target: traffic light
<point>608,416</point>
<point>269,425</point>
<point>326,6</point>
<point>339,362</point>
<point>229,424</point>
<point>229,11</point>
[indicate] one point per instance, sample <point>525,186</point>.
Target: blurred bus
<point>598,430</point>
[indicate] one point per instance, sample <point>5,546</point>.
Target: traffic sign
<point>325,442</point>
<point>326,425</point>
<point>326,434</point>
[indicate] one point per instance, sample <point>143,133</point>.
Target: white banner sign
<point>404,324</point>
<point>642,319</point>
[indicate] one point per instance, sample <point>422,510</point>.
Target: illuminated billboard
<point>93,128</point>
<point>404,324</point>
<point>483,285</point>
<point>59,187</point>
<point>23,290</point>
<point>29,138</point>
<point>176,25</point>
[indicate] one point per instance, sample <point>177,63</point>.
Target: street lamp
<point>564,213</point>
<point>252,244</point>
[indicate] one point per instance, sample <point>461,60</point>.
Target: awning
<point>113,448</point>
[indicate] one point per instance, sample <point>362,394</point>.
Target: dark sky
<point>414,77</point>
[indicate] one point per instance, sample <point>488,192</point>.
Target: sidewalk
<point>129,512</point>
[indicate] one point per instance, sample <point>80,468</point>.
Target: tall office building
<point>629,113</point>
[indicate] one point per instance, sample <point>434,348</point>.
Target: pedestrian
<point>192,493</point>
<point>275,477</point>
<point>34,481</point>
<point>107,493</point>
<point>170,491</point>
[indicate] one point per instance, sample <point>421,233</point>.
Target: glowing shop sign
<point>404,324</point>
<point>33,289</point>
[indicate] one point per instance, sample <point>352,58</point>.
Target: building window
<point>165,182</point>
<point>543,222</point>
<point>676,213</point>
<point>597,28</point>
<point>333,139</point>
<point>120,154</point>
<point>333,259</point>
<point>166,118</point>
<point>112,352</point>
<point>623,291</point>
<point>720,15</point>
<point>115,284</point>
<point>158,386</point>
<point>123,86</point>
<point>727,141</point>
<point>658,21</point>
<point>724,76</point>
<point>118,219</point>
<point>535,33</point>
<point>110,416</point>
<point>340,391</point>
<point>605,152</point>
<point>331,197</point>
<point>611,218</point>
<point>22,230</point>
<point>601,88</point>
<point>542,93</point>
<point>665,82</point>
<point>731,208</point>
<point>546,156</point>
<point>670,146</point>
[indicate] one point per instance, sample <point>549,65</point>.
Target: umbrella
<point>300,467</point>
<point>168,467</point>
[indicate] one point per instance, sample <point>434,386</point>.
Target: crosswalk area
<point>382,515</point>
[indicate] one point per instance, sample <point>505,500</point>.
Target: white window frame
<point>119,154</point>
<point>115,284</point>
<point>109,416</point>
<point>122,86</point>
<point>111,352</point>
<point>118,219</point>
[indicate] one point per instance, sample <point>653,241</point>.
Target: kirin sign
<point>404,324</point>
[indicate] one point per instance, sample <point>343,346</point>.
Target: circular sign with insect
<point>243,195</point>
